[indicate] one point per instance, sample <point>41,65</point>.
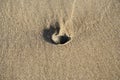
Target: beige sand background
<point>92,54</point>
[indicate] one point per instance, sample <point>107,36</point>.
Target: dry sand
<point>26,50</point>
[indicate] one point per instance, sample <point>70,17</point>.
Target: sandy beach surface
<point>59,39</point>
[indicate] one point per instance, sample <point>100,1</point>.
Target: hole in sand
<point>51,35</point>
<point>63,39</point>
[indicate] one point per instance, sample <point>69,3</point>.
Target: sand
<point>32,33</point>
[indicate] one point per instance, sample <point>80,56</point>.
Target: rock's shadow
<point>47,34</point>
<point>53,29</point>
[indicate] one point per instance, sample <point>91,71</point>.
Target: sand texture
<point>59,39</point>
